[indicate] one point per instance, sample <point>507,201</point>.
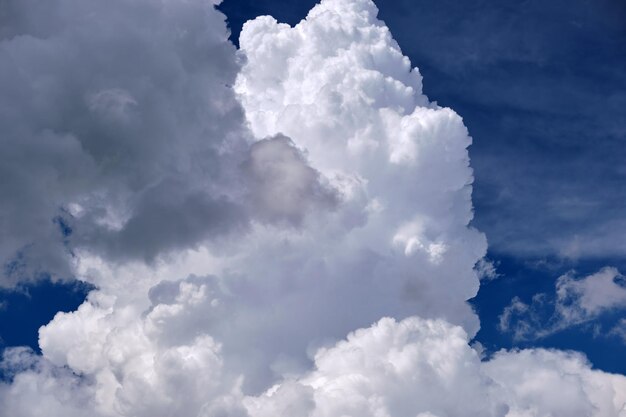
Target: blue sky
<point>540,86</point>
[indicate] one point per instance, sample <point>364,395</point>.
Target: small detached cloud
<point>487,269</point>
<point>577,301</point>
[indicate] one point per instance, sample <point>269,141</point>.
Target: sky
<point>371,213</point>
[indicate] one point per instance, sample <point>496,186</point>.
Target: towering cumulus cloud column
<point>338,85</point>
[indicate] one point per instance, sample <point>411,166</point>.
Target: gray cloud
<point>283,185</point>
<point>121,115</point>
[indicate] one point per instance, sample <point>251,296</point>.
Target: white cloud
<point>577,301</point>
<point>487,269</point>
<point>230,260</point>
<point>426,368</point>
<point>590,296</point>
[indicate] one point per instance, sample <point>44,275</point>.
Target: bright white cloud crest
<point>244,243</point>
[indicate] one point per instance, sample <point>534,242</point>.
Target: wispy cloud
<point>576,301</point>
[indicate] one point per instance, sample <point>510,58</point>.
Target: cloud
<point>591,295</point>
<point>235,236</point>
<point>487,269</point>
<point>395,368</point>
<point>577,301</point>
<point>284,186</point>
<point>426,368</point>
<point>121,120</point>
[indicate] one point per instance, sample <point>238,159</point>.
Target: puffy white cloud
<point>487,269</point>
<point>576,301</point>
<point>393,368</point>
<point>426,368</point>
<point>109,361</point>
<point>413,367</point>
<point>40,388</point>
<point>234,244</point>
<point>538,382</point>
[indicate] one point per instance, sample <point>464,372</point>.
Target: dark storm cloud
<point>121,114</point>
<point>166,217</point>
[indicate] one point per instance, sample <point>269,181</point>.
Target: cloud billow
<point>236,235</point>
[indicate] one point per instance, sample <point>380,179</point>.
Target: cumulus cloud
<point>591,295</point>
<point>338,85</point>
<point>426,368</point>
<point>577,301</point>
<point>413,367</point>
<point>237,235</point>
